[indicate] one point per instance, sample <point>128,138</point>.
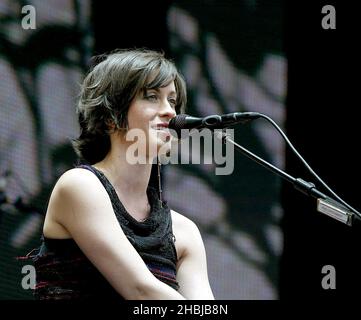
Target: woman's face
<point>148,117</point>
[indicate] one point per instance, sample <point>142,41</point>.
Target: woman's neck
<point>126,178</point>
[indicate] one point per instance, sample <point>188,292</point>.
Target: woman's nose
<point>168,110</point>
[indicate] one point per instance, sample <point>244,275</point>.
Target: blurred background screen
<point>231,55</point>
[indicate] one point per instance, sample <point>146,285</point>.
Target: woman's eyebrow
<point>158,90</point>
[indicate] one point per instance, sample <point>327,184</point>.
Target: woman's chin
<point>160,146</point>
<point>163,147</point>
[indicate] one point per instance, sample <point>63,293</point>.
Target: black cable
<point>307,165</point>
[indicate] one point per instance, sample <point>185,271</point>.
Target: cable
<point>307,165</point>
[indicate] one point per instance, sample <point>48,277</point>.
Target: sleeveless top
<point>64,272</point>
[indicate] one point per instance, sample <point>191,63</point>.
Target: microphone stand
<point>325,204</point>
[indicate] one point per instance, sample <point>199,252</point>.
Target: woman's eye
<point>173,102</point>
<point>152,97</point>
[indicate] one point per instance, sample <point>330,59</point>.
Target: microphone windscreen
<point>176,124</point>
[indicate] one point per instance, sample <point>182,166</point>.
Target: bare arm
<point>81,205</point>
<point>192,274</point>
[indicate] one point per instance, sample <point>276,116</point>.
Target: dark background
<point>322,119</point>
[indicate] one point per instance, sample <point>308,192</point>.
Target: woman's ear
<point>110,124</point>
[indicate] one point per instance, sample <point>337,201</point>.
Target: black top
<point>64,272</point>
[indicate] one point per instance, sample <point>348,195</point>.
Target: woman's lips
<point>162,129</point>
<point>161,125</point>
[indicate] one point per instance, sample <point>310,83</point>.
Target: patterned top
<point>64,272</point>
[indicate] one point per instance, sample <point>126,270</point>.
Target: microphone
<point>184,121</point>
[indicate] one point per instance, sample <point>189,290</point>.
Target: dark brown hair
<point>108,90</point>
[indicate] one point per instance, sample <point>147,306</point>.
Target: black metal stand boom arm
<point>325,204</point>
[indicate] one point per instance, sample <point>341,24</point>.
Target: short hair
<point>109,88</point>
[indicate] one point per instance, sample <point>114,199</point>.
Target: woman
<point>107,233</point>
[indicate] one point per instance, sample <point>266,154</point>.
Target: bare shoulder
<point>185,230</point>
<point>79,186</point>
<point>183,223</point>
<point>78,183</point>
<point>75,178</point>
<point>74,192</point>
